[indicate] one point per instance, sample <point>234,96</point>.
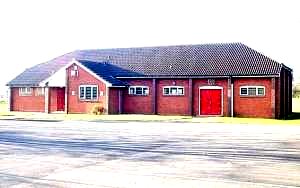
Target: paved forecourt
<point>98,154</point>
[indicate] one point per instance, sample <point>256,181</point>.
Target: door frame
<point>222,99</point>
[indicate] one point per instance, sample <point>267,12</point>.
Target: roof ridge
<point>165,46</point>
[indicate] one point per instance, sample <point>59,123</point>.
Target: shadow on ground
<point>149,148</point>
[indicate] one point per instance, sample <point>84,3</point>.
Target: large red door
<point>210,101</point>
<point>60,99</point>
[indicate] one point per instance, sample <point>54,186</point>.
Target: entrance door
<point>60,99</point>
<point>210,100</point>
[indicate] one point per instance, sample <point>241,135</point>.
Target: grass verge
<point>295,120</point>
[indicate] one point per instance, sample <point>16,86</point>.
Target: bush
<point>98,109</point>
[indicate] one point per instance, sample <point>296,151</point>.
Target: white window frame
<point>256,91</point>
<point>25,91</point>
<point>84,94</point>
<point>173,87</point>
<point>40,91</point>
<point>134,90</point>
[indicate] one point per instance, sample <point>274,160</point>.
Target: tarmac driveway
<point>98,154</point>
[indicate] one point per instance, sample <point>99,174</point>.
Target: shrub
<point>98,109</point>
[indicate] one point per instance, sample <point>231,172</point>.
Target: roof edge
<point>74,61</point>
<point>286,67</point>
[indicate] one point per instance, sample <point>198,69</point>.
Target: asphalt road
<point>98,154</point>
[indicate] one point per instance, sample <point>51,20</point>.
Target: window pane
<point>180,91</point>
<point>173,91</point>
<point>166,91</point>
<point>145,91</point>
<point>244,91</point>
<point>88,93</point>
<point>138,91</point>
<point>40,91</point>
<point>28,90</point>
<point>82,92</point>
<point>252,91</point>
<point>261,91</point>
<point>95,91</point>
<point>131,90</point>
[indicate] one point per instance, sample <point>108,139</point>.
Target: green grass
<point>296,105</point>
<point>295,117</point>
<point>3,107</point>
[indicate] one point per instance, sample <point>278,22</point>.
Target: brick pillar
<point>191,97</point>
<point>229,97</point>
<point>107,100</point>
<point>120,101</point>
<point>46,99</point>
<point>273,98</point>
<point>67,92</point>
<point>154,96</point>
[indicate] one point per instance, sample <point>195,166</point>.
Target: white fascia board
<point>63,69</point>
<point>257,76</point>
<point>91,72</point>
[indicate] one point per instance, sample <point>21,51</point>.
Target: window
<point>40,91</point>
<point>88,92</point>
<point>138,90</point>
<point>173,90</point>
<point>25,91</point>
<point>252,91</point>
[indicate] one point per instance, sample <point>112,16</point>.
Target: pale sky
<point>35,31</point>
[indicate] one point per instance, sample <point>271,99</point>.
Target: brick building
<point>199,80</point>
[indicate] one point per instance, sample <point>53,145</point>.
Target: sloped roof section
<point>187,60</point>
<point>36,74</point>
<point>228,59</point>
<point>105,71</point>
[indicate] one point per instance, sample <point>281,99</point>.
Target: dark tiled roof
<point>36,74</point>
<point>229,59</point>
<point>105,71</point>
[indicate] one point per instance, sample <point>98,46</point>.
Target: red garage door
<point>210,101</point>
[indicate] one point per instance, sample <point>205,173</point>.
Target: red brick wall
<point>133,104</point>
<point>52,99</point>
<point>113,101</point>
<point>172,105</point>
<point>31,103</point>
<point>75,105</point>
<point>204,82</point>
<point>245,106</point>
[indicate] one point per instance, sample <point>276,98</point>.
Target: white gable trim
<point>58,79</point>
<point>74,61</point>
<point>43,83</point>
